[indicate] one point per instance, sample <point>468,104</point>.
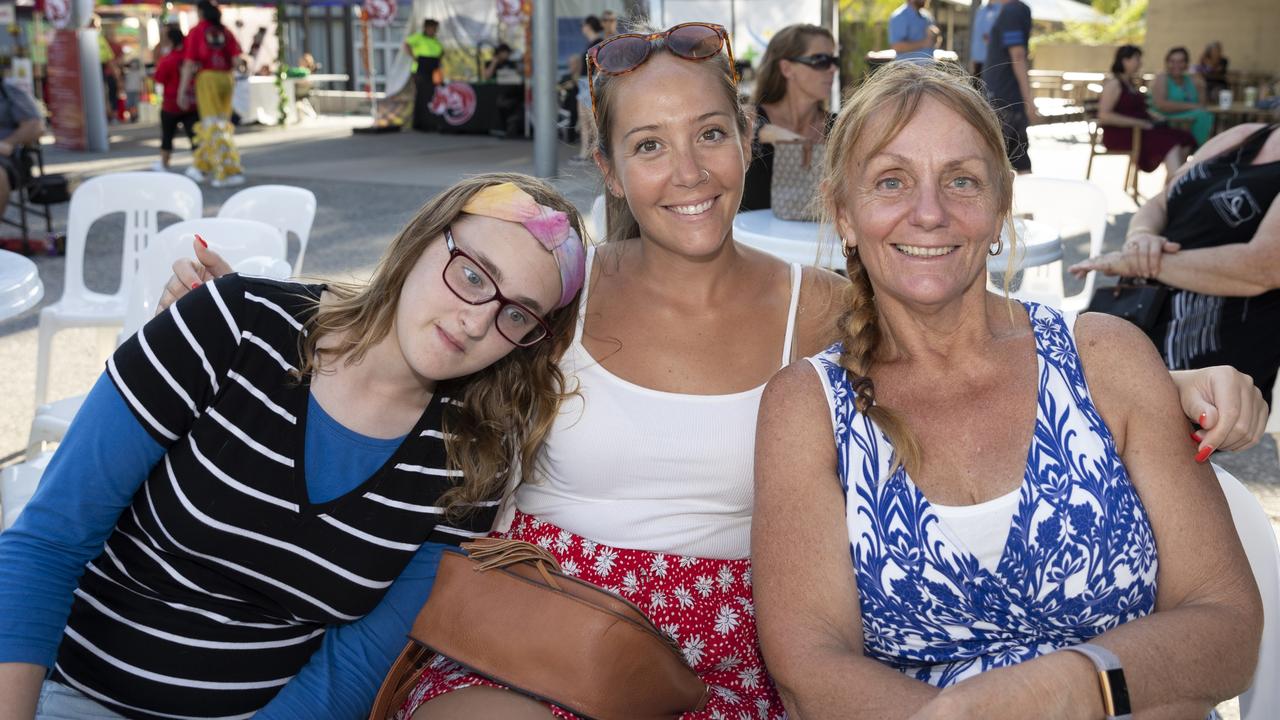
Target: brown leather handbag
<point>507,612</point>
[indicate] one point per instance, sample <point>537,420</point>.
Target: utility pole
<point>545,134</point>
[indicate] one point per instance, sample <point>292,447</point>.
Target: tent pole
<point>545,135</point>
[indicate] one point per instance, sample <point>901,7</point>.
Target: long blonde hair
<point>787,43</point>
<point>618,217</point>
<point>892,95</point>
<point>506,408</point>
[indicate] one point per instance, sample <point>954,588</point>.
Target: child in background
<point>133,81</point>
<point>168,74</point>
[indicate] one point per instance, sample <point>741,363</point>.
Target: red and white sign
<point>66,104</point>
<point>380,12</point>
<point>58,12</point>
<point>455,102</point>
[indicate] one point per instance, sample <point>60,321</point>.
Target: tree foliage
<point>1126,23</point>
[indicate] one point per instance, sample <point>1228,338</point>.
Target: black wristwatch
<point>1115,691</point>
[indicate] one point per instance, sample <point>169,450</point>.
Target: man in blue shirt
<point>982,23</point>
<point>912,32</point>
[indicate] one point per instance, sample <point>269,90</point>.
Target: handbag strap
<point>401,679</point>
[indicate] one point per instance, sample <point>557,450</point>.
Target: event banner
<point>65,93</point>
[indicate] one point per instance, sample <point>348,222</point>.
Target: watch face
<point>1119,691</point>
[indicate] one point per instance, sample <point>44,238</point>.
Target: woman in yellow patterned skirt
<point>210,53</point>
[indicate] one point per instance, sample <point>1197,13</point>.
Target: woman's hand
<point>1227,406</point>
<point>1145,250</point>
<point>771,133</point>
<point>190,274</point>
<point>1112,263</point>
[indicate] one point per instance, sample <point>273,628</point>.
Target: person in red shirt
<point>168,73</point>
<point>209,53</point>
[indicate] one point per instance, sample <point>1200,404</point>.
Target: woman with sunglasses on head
<point>793,86</point>
<point>644,483</point>
<point>247,513</point>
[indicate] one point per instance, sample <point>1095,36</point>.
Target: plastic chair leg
<point>44,350</point>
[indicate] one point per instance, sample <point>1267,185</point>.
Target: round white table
<point>791,240</point>
<point>20,285</point>
<point>1038,244</point>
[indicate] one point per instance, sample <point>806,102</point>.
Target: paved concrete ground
<point>368,186</point>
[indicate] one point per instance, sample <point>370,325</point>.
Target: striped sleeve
<point>171,370</point>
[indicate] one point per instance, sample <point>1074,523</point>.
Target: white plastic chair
<point>1069,206</point>
<point>249,246</point>
<point>284,207</point>
<point>141,196</point>
<point>1262,700</point>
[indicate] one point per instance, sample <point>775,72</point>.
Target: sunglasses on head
<point>623,53</point>
<point>817,61</point>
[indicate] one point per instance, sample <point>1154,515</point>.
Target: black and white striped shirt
<point>219,580</point>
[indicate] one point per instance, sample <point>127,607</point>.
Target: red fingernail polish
<point>1195,438</point>
<point>205,245</point>
<point>195,285</point>
<point>1201,414</point>
<point>1204,453</point>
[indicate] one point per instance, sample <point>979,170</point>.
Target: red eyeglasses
<point>623,53</point>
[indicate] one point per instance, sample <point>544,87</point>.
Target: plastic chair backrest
<point>1069,205</point>
<point>1262,700</point>
<point>242,243</point>
<point>141,196</point>
<point>284,207</point>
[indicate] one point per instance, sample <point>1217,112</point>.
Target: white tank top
<point>632,467</point>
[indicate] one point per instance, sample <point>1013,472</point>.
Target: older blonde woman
<point>1007,482</point>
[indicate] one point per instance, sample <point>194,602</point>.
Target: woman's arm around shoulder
<point>1200,646</point>
<point>823,298</point>
<point>806,593</point>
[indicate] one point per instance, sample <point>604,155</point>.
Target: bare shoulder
<point>1125,374</point>
<point>823,297</point>
<point>795,417</point>
<point>799,380</point>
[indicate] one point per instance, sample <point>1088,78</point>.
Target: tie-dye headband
<point>508,202</point>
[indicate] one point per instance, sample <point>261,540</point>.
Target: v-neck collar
<point>1025,490</point>
<point>301,402</point>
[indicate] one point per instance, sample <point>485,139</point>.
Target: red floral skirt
<point>704,604</point>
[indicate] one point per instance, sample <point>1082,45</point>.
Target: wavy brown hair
<point>869,121</point>
<point>618,217</point>
<point>507,408</point>
<point>787,43</point>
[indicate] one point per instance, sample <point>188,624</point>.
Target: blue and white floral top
<point>1080,558</point>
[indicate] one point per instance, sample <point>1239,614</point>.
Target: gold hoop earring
<point>848,250</point>
<point>999,247</point>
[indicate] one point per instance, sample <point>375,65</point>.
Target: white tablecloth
<point>20,285</point>
<point>793,241</point>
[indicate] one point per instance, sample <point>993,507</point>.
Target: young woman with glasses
<point>247,513</point>
<point>793,86</point>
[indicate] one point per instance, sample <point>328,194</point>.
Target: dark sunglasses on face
<point>473,285</point>
<point>817,61</point>
<point>623,53</point>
